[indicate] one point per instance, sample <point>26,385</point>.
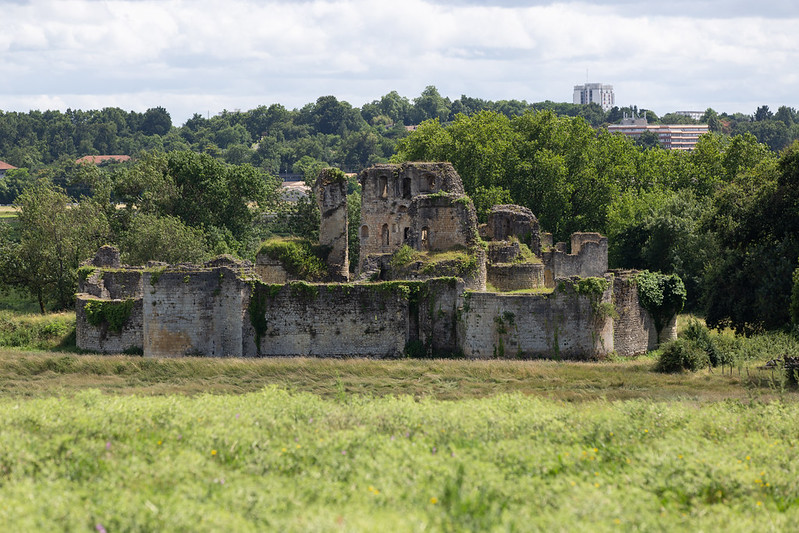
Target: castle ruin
<point>430,282</point>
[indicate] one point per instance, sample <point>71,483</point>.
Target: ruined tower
<point>331,196</point>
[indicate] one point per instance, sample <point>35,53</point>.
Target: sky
<point>205,56</point>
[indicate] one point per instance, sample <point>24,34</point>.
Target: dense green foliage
<point>301,258</point>
<point>295,462</point>
<point>662,295</point>
<point>111,313</point>
<point>681,354</point>
<point>54,331</point>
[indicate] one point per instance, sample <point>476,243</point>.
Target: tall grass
<point>39,332</point>
<point>280,461</point>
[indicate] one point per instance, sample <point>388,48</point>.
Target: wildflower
<point>213,452</point>
<point>299,446</point>
<point>748,458</point>
<point>596,450</point>
<point>646,431</point>
<point>160,442</point>
<point>679,456</point>
<point>108,445</point>
<point>596,485</point>
<point>100,528</point>
<point>434,500</point>
<point>759,503</point>
<point>284,450</point>
<point>343,452</point>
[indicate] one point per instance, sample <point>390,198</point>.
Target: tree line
<point>721,216</point>
<point>329,131</point>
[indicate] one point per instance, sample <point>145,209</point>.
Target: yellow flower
<point>299,446</point>
<point>213,452</point>
<point>596,450</point>
<point>759,504</point>
<point>159,443</point>
<point>434,500</point>
<point>284,450</point>
<point>596,485</point>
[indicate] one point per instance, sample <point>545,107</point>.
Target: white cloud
<point>208,55</point>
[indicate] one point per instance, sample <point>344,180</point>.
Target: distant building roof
<point>6,166</point>
<point>99,159</point>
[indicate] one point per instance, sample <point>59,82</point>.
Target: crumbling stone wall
<point>442,222</point>
<point>561,324</point>
<point>588,258</point>
<point>101,338</point>
<point>634,330</point>
<point>514,277</point>
<point>193,311</point>
<point>386,196</point>
<point>271,270</point>
<point>331,197</point>
<point>326,320</point>
<point>507,221</point>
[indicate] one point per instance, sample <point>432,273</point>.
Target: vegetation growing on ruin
<point>660,294</point>
<point>301,258</point>
<point>111,312</point>
<point>85,272</point>
<point>526,256</point>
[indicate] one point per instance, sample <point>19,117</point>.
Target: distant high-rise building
<point>597,93</point>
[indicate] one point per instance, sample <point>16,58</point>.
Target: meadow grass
<point>276,460</point>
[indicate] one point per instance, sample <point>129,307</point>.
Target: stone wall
<point>100,338</point>
<point>515,276</point>
<point>436,316</point>
<point>331,197</point>
<point>633,330</point>
<point>588,258</point>
<point>561,324</point>
<point>387,192</point>
<point>442,222</point>
<point>270,270</point>
<point>326,320</point>
<point>506,221</point>
<point>193,312</point>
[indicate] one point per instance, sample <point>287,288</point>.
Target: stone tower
<point>331,196</point>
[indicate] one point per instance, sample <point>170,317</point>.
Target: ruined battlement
<point>423,275</point>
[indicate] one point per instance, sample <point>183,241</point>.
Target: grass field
<point>276,460</point>
<point>124,443</point>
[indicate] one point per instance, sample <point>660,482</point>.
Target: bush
<point>680,355</point>
<point>700,335</point>
<point>299,257</point>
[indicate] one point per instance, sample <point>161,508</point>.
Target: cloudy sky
<point>203,56</point>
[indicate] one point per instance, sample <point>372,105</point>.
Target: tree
<point>156,121</point>
<point>54,239</point>
<point>151,237</point>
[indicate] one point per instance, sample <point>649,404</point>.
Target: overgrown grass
<point>38,332</point>
<point>41,373</point>
<point>275,460</point>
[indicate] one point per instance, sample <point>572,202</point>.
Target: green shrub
<point>700,335</point>
<point>299,257</point>
<point>680,355</point>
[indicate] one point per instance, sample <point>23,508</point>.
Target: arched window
<point>425,238</point>
<point>364,232</point>
<point>385,234</point>
<point>383,187</point>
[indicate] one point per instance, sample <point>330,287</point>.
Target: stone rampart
<point>326,320</point>
<point>193,312</point>
<point>562,324</point>
<point>102,337</point>
<point>633,330</point>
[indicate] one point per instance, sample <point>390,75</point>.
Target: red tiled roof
<point>97,159</point>
<point>6,166</point>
